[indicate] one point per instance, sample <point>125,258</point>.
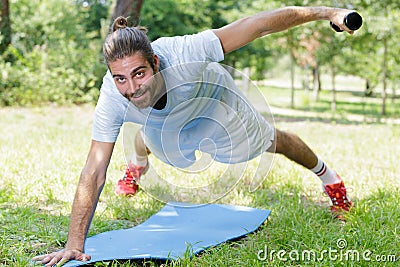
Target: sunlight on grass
<point>42,151</point>
<point>350,107</point>
<point>213,183</point>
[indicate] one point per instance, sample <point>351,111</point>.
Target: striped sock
<point>326,175</point>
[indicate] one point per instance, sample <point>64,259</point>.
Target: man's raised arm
<point>245,30</point>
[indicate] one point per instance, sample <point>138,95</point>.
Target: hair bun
<point>120,23</point>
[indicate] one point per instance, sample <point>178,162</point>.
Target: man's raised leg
<point>291,146</point>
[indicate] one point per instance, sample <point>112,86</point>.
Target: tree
<point>170,18</point>
<point>5,25</point>
<point>128,8</point>
<point>382,26</point>
<point>94,13</point>
<point>54,58</point>
<point>310,44</point>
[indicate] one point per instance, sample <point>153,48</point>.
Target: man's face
<point>134,78</point>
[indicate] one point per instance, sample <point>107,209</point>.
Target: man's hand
<point>60,257</point>
<point>86,197</point>
<point>338,17</point>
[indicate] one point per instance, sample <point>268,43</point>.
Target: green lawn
<point>44,149</point>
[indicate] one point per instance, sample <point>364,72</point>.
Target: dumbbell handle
<point>353,21</point>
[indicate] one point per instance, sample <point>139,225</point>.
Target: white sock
<point>326,175</point>
<point>141,160</point>
<point>138,160</point>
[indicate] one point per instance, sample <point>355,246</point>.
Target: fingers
<point>45,258</point>
<point>49,262</point>
<point>61,257</point>
<point>83,257</point>
<point>38,258</point>
<point>344,28</point>
<point>48,259</point>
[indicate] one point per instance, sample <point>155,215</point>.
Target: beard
<point>148,93</point>
<point>142,98</point>
<point>147,97</point>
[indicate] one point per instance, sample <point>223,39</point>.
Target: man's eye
<point>139,74</point>
<point>120,80</point>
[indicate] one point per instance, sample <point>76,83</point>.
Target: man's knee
<point>277,136</point>
<point>282,140</point>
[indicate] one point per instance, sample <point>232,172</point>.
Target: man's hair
<point>125,41</point>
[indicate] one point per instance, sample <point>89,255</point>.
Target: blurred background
<point>50,51</point>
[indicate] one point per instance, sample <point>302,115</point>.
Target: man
<point>132,91</point>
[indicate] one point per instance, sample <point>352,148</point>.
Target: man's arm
<point>243,31</point>
<point>90,185</point>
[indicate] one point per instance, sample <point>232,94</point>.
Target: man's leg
<point>128,185</point>
<point>141,150</point>
<point>291,146</point>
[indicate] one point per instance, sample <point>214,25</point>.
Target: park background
<point>339,92</point>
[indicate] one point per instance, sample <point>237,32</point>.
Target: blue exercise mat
<point>171,231</point>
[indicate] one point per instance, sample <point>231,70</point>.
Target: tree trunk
<point>316,82</point>
<point>292,65</point>
<point>128,8</point>
<point>385,74</point>
<point>333,103</point>
<point>5,25</point>
<point>393,91</point>
<point>368,88</point>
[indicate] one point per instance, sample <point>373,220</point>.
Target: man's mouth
<point>138,94</point>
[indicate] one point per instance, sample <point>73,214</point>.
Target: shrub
<point>53,57</point>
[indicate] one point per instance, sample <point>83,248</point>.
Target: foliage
<point>168,18</point>
<point>55,51</point>
<point>54,56</point>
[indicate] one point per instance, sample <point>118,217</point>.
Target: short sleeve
<point>200,47</point>
<point>109,113</point>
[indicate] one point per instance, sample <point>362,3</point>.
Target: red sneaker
<point>340,201</point>
<point>128,186</point>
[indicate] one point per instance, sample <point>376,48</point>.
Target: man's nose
<point>133,87</point>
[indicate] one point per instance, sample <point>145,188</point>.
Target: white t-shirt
<point>205,111</point>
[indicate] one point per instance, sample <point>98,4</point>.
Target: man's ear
<point>156,63</point>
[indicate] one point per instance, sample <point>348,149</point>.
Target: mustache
<point>142,89</point>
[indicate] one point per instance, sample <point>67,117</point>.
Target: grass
<point>350,104</point>
<point>42,151</point>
